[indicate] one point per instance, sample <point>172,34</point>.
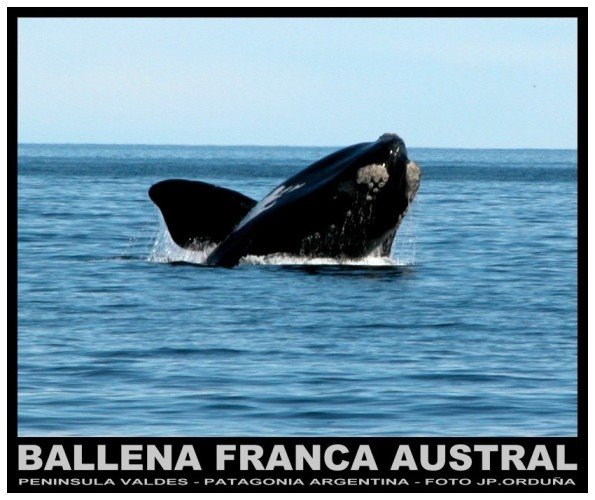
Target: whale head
<point>348,204</point>
<point>389,159</point>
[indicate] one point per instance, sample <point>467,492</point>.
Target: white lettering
<point>29,457</point>
<point>279,458</point>
<point>155,456</point>
<point>302,455</point>
<point>512,453</point>
<point>129,455</point>
<point>364,458</point>
<point>188,458</point>
<point>424,459</point>
<point>251,454</point>
<point>540,458</point>
<point>403,458</point>
<point>485,450</point>
<point>57,458</point>
<point>561,459</point>
<point>78,459</point>
<point>101,460</point>
<point>223,456</point>
<point>461,461</point>
<point>328,457</point>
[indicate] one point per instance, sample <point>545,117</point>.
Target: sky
<point>469,83</point>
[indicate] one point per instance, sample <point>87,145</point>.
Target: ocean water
<point>469,329</point>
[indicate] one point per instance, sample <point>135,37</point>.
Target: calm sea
<point>469,330</point>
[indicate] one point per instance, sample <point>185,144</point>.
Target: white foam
<point>281,259</point>
<point>165,250</point>
<point>403,253</point>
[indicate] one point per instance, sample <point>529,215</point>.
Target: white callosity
<point>374,175</point>
<point>413,174</point>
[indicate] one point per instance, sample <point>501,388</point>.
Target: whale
<point>347,205</point>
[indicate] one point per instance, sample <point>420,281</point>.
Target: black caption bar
<point>298,464</point>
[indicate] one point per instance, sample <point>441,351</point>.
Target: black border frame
<point>15,13</point>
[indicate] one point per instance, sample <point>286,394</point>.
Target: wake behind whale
<point>344,208</point>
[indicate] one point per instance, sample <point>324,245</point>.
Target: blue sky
<point>474,83</point>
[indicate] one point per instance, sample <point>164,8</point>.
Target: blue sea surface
<point>472,331</point>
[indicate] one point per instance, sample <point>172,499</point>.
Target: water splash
<point>141,243</point>
<point>405,247</point>
<point>281,259</point>
<point>164,250</point>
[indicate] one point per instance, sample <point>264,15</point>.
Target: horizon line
<point>276,145</point>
